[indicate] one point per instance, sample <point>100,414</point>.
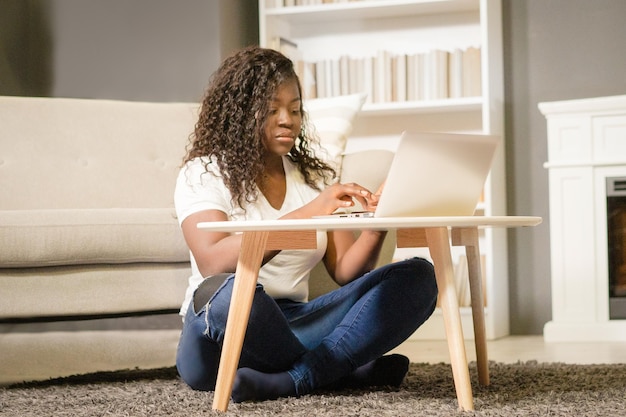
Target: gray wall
<point>142,50</point>
<point>25,48</point>
<point>554,50</point>
<point>163,50</point>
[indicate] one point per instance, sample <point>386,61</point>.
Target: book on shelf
<point>415,82</point>
<point>368,78</point>
<point>335,72</point>
<point>320,78</point>
<point>287,47</point>
<point>455,73</point>
<point>382,77</point>
<point>355,76</point>
<point>398,77</point>
<point>472,82</point>
<point>292,3</point>
<point>344,75</point>
<point>306,73</point>
<point>436,75</point>
<point>306,70</point>
<point>392,77</point>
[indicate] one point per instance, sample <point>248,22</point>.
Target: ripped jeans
<point>316,342</point>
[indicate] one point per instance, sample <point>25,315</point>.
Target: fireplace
<point>587,178</point>
<point>616,243</point>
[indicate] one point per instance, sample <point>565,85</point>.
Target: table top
<point>372,223</point>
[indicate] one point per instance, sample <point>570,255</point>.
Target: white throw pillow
<point>333,120</point>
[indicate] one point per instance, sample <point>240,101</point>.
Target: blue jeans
<point>318,342</point>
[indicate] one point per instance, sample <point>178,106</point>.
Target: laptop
<point>435,174</point>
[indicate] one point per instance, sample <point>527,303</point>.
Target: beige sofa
<point>93,266</point>
<point>88,231</point>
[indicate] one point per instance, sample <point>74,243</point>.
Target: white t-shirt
<point>284,276</point>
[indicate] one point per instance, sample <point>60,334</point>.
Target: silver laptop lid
<point>437,174</point>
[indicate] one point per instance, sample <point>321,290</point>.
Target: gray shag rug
<point>521,389</point>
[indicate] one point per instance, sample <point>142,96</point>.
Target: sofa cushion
<point>333,119</point>
<point>58,153</point>
<point>36,238</point>
<point>80,290</point>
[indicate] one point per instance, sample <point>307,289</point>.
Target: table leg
<point>478,312</point>
<point>250,258</point>
<point>468,237</point>
<point>439,246</point>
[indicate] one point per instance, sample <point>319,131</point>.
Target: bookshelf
<point>340,42</point>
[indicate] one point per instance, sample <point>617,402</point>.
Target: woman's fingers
<point>351,191</point>
<point>343,196</point>
<point>346,201</point>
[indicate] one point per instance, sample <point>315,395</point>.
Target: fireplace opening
<point>616,234</point>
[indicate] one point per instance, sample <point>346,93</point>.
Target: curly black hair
<point>230,127</point>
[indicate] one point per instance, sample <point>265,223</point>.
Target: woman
<point>250,158</point>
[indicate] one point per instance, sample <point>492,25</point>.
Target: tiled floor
<point>520,348</point>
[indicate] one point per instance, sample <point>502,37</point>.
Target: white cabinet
<point>586,146</point>
<point>394,35</point>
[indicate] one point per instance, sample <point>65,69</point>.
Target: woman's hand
<point>339,196</point>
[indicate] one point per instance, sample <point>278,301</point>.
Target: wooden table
<point>436,233</point>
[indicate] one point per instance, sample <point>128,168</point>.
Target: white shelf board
<point>371,9</point>
<point>427,106</point>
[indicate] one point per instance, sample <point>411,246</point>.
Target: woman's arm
<point>347,257</point>
<point>214,252</point>
<point>217,252</point>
